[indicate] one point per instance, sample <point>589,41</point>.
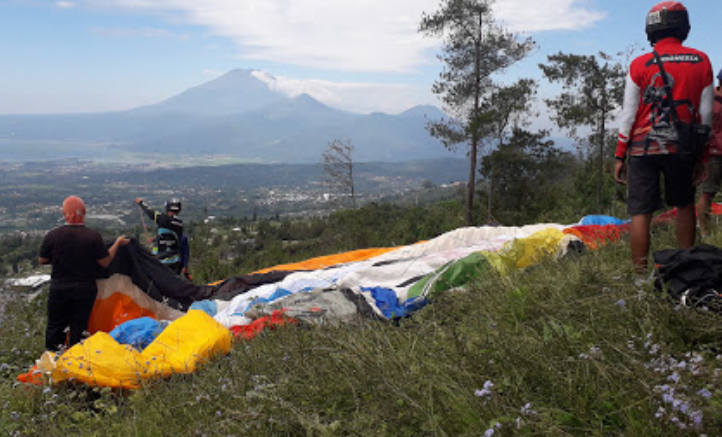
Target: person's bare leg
<point>703,205</point>
<point>686,226</point>
<point>639,241</point>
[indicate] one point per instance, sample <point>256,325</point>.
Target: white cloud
<point>354,97</point>
<point>537,16</point>
<point>65,4</point>
<point>345,35</point>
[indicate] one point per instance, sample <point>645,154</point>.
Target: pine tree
<point>474,48</point>
<point>593,89</point>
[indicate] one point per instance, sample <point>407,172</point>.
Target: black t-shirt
<point>74,251</point>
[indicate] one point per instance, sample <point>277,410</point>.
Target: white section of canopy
<point>232,314</point>
<point>479,238</point>
<point>118,283</point>
<point>30,281</point>
<point>395,270</point>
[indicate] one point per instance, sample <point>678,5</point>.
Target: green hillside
<point>566,348</point>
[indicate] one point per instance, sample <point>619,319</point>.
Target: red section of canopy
<point>34,376</point>
<point>594,236</point>
<point>277,319</point>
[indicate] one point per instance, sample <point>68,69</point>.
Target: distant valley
<point>31,193</point>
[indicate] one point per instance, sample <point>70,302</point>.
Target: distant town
<point>31,193</point>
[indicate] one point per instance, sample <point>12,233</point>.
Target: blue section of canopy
<point>138,333</point>
<point>415,304</point>
<point>281,292</point>
<point>601,220</point>
<point>387,302</point>
<point>210,307</point>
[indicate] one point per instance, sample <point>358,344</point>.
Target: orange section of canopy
<point>115,310</point>
<point>330,260</point>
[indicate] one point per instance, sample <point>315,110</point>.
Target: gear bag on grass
<point>692,277</point>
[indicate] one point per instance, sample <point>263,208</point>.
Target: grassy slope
<point>567,348</point>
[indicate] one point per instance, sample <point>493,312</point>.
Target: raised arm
<point>148,210</point>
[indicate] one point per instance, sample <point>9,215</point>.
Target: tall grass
<point>567,348</point>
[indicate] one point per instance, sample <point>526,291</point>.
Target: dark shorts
<point>714,175</point>
<point>644,194</point>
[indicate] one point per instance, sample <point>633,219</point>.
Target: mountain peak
<point>307,99</point>
<point>427,111</point>
<point>236,92</point>
<point>303,106</point>
<point>235,78</point>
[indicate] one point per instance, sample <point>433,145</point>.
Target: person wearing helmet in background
<point>711,186</point>
<point>167,245</point>
<point>648,135</point>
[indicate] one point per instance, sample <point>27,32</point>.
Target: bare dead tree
<point>338,166</point>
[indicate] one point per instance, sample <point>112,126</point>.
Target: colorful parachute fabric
<point>150,339</point>
<point>101,361</point>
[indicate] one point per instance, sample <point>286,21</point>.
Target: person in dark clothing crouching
<point>76,253</point>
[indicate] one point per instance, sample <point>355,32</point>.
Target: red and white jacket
<point>689,73</point>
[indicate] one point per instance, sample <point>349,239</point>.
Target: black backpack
<point>692,277</point>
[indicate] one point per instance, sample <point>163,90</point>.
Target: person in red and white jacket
<point>647,137</point>
<point>711,185</point>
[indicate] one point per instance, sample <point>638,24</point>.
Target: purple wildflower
<point>668,398</point>
<point>696,417</point>
<point>485,391</point>
<point>705,393</point>
<point>526,409</point>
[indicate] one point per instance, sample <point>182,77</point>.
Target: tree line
<point>515,172</point>
<point>490,116</point>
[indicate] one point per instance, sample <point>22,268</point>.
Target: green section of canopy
<point>518,253</point>
<point>453,274</point>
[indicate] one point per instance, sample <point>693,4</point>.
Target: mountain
<point>236,92</point>
<point>235,115</point>
<point>428,111</point>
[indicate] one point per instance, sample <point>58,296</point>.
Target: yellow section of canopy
<point>185,344</point>
<point>524,252</point>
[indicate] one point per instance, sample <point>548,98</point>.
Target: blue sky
<point>360,55</point>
